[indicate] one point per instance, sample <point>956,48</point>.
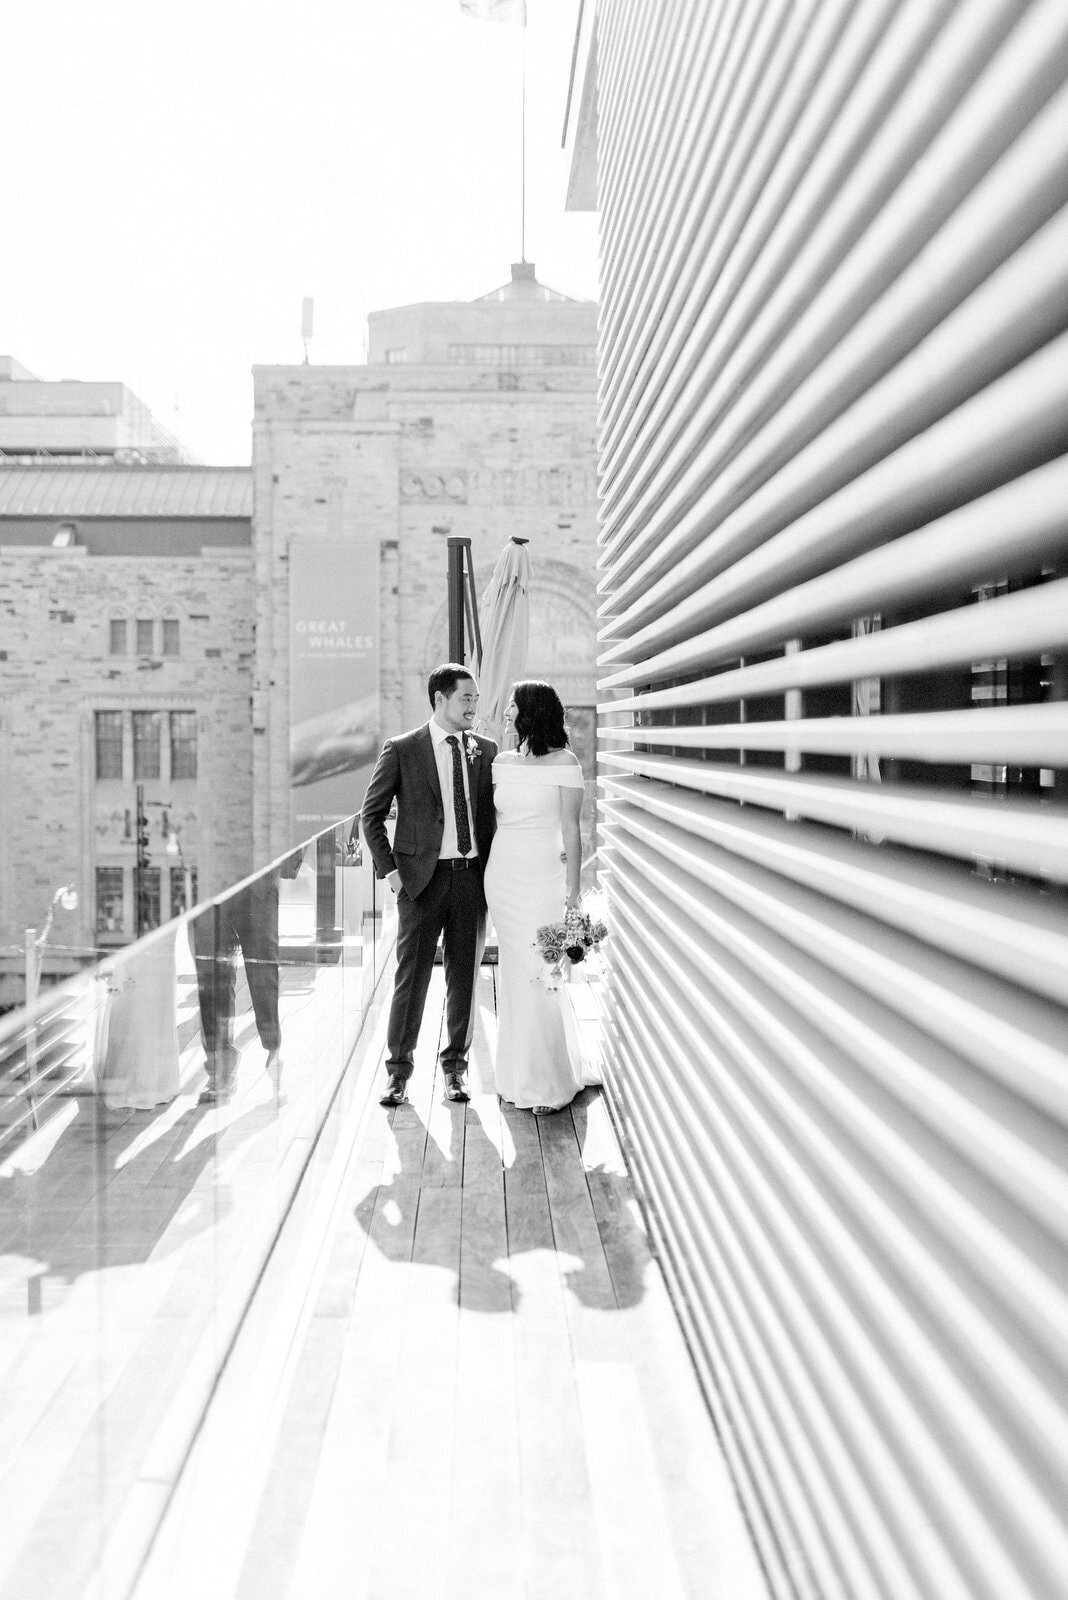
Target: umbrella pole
<point>462,604</point>
<point>457,547</point>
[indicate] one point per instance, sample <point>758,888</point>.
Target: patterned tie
<point>459,799</point>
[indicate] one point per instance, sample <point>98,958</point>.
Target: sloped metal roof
<point>116,491</point>
<point>523,285</point>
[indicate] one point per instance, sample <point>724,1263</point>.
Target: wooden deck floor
<point>482,1392</point>
<point>419,1353</point>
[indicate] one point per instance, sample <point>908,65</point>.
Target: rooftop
<point>524,285</point>
<point>122,491</point>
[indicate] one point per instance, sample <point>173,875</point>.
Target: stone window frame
<point>147,739</point>
<point>116,617</point>
<point>170,630</point>
<point>158,740</point>
<point>160,628</point>
<point>183,744</point>
<point>104,747</point>
<point>109,900</point>
<point>145,620</point>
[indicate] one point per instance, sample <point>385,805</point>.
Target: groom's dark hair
<point>444,679</point>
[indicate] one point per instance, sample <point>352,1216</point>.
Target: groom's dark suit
<point>435,896</point>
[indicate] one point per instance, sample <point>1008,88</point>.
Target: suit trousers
<point>453,907</point>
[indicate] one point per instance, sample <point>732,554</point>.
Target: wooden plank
<point>485,1511</point>
<point>345,1485</point>
<point>585,1279</point>
<point>559,1543</point>
<point>272,1550</point>
<point>368,1445</point>
<point>443,1161</point>
<point>411,1548</point>
<point>243,1452</point>
<point>634,1537</point>
<point>483,1152</point>
<point>486,1504</point>
<point>484,1043</point>
<point>712,1548</point>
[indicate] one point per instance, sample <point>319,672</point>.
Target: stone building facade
<point>126,656</point>
<point>474,420</point>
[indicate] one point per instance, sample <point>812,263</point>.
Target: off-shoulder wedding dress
<point>526,887</point>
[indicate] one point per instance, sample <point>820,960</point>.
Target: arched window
<point>145,635</point>
<point>118,634</point>
<point>171,633</point>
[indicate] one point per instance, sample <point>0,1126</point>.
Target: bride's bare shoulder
<point>562,758</point>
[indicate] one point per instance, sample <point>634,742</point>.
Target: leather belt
<point>460,863</point>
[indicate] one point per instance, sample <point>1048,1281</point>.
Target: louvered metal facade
<point>833,375</point>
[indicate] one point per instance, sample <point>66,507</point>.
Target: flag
<point>496,10</point>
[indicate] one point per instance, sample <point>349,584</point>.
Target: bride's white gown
<point>526,887</point>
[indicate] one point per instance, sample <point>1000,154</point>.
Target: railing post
<point>33,979</point>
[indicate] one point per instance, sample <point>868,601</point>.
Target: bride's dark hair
<point>539,717</point>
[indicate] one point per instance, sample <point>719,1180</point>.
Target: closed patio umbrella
<point>505,621</point>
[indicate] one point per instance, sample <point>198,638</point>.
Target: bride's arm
<point>570,811</point>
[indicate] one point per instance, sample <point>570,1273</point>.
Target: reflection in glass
<point>148,888</point>
<point>109,900</point>
<point>183,889</point>
<point>135,1222</point>
<point>183,744</point>
<point>108,727</point>
<point>146,743</point>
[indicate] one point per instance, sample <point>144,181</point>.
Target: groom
<point>439,775</point>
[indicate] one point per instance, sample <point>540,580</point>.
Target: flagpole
<point>523,148</point>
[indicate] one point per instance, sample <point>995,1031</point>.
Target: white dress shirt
<point>443,754</point>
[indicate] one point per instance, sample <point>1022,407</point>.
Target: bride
<point>532,877</point>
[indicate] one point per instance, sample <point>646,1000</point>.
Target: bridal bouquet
<point>562,945</point>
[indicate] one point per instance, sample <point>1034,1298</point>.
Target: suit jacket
<point>407,772</point>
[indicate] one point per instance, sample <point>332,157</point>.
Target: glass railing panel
<point>156,1114</point>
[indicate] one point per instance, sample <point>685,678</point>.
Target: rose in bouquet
<point>563,944</point>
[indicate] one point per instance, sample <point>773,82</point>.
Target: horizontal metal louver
<point>834,757</point>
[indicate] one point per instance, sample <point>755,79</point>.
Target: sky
<point>180,174</point>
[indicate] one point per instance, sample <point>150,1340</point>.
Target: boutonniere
<point>471,746</point>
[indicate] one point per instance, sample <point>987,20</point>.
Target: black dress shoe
<point>455,1089</point>
<point>396,1091</point>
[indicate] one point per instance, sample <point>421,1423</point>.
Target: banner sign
<point>334,735</point>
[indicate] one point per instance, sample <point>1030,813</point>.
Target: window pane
<point>109,913</point>
<point>170,636</point>
<point>178,900</point>
<point>145,631</point>
<point>148,893</point>
<point>117,642</point>
<point>146,743</point>
<point>183,744</point>
<point>108,744</point>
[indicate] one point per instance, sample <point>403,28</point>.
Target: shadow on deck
<point>459,1374</point>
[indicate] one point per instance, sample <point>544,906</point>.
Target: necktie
<point>459,799</point>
